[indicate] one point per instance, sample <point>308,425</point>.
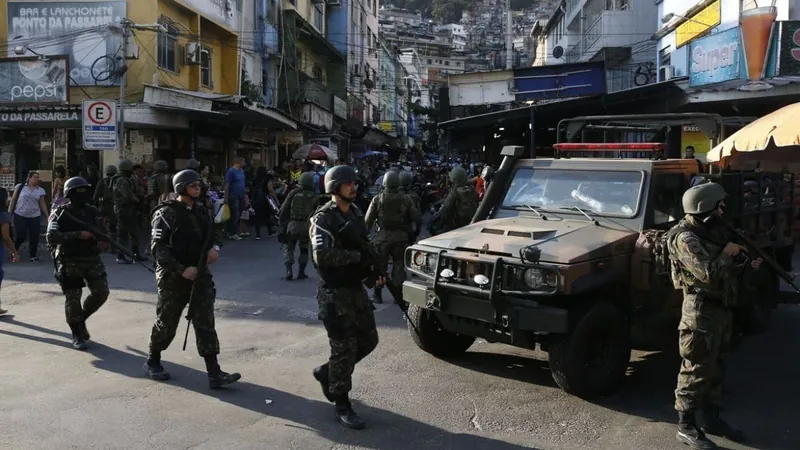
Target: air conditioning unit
<point>192,52</point>
<point>666,73</point>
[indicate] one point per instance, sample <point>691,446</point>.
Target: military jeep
<point>562,262</point>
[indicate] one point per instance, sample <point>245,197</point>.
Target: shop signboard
<point>99,125</point>
<point>40,117</point>
<point>339,107</point>
<point>715,58</point>
<point>698,24</point>
<point>789,57</point>
<point>76,29</point>
<point>34,81</point>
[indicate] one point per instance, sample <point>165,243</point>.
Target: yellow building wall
<point>309,59</point>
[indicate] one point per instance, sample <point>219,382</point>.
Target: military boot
<point>713,424</point>
<point>346,416</point>
<point>377,295</point>
<point>321,375</point>
<point>2,311</point>
<point>122,259</point>
<point>289,275</point>
<point>154,369</point>
<point>216,377</point>
<point>689,434</point>
<point>301,275</point>
<point>140,257</point>
<point>84,333</point>
<point>78,343</point>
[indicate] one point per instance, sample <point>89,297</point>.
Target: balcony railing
<point>313,91</point>
<point>593,33</point>
<point>574,53</point>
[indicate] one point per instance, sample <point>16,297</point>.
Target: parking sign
<point>99,125</point>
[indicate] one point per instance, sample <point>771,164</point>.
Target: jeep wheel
<point>593,358</point>
<point>432,337</point>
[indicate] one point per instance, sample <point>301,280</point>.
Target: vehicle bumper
<point>518,313</point>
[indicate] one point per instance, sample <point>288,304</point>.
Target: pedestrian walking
<point>76,253</point>
<point>184,231</point>
<point>344,305</point>
<point>28,206</point>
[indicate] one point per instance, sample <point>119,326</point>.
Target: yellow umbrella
<point>771,138</point>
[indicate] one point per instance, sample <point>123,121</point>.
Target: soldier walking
<point>293,217</point>
<point>127,204</point>
<point>705,266</point>
<point>76,253</point>
<point>406,180</point>
<point>344,306</point>
<point>156,184</point>
<point>180,236</point>
<point>395,213</point>
<point>104,199</point>
<point>460,204</point>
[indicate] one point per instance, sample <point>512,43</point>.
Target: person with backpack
<point>459,206</point>
<point>294,216</point>
<point>104,200</point>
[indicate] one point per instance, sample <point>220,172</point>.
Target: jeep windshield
<point>603,192</point>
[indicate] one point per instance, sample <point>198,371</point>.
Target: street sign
<point>99,125</point>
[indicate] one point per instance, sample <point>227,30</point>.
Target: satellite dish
<point>558,52</point>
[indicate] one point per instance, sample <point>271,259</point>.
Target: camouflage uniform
<point>178,235</point>
<point>104,199</point>
<point>395,213</point>
<point>78,264</point>
<point>156,184</point>
<point>344,306</point>
<point>293,217</point>
<point>458,208</point>
<point>126,207</point>
<point>406,179</point>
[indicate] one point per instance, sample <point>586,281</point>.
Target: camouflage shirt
<point>699,265</point>
<point>395,213</point>
<point>459,207</point>
<point>125,192</point>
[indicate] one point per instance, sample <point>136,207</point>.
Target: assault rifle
<point>768,260</point>
<point>201,267</point>
<point>100,236</point>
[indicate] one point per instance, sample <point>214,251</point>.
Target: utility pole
<point>121,126</point>
<point>509,38</point>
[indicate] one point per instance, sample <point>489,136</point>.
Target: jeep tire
<point>432,337</point>
<point>593,358</point>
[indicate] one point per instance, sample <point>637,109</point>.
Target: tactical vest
<point>303,205</point>
<point>344,276</point>
<point>75,248</point>
<point>683,278</point>
<point>393,214</point>
<point>108,194</point>
<point>466,205</point>
<point>189,233</point>
<point>117,183</point>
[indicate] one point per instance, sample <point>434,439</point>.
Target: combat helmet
<point>183,179</point>
<point>406,178</point>
<point>193,164</point>
<point>111,170</point>
<point>391,180</point>
<point>337,176</point>
<point>126,165</point>
<point>76,185</point>
<point>306,180</point>
<point>160,166</point>
<point>702,198</point>
<point>458,175</point>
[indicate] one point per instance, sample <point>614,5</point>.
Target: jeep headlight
<point>424,262</point>
<point>536,278</point>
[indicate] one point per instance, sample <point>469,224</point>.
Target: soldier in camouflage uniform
<point>194,164</point>
<point>156,184</point>
<point>406,180</point>
<point>460,205</point>
<point>104,199</point>
<point>180,230</point>
<point>127,203</point>
<point>76,253</point>
<point>395,214</point>
<point>344,306</point>
<point>293,218</point>
<point>705,266</point>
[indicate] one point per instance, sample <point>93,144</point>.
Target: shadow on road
<point>386,429</point>
<point>512,367</point>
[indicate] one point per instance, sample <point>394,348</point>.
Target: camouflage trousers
<point>73,274</point>
<point>288,250</point>
<point>128,224</point>
<point>704,344</point>
<point>173,296</point>
<point>394,250</point>
<point>349,319</point>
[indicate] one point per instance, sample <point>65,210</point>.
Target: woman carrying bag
<point>28,206</point>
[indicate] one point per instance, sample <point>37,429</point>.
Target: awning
<point>257,115</point>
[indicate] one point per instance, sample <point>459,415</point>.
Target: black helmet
<point>337,176</point>
<point>406,178</point>
<point>306,180</point>
<point>160,166</point>
<point>193,164</point>
<point>184,178</point>
<point>111,170</point>
<point>391,180</point>
<point>125,166</point>
<point>76,185</point>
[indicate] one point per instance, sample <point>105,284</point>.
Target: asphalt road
<point>494,397</point>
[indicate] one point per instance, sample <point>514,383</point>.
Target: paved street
<point>494,397</point>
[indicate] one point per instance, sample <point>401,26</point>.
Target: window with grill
<point>319,16</point>
<point>168,46</point>
<point>205,67</point>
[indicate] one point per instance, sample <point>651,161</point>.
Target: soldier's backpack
<point>394,211</point>
<point>303,205</point>
<point>653,244</point>
<point>466,205</point>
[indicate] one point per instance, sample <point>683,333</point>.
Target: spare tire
<point>428,334</point>
<point>593,358</point>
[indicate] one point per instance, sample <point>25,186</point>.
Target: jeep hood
<point>561,241</point>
